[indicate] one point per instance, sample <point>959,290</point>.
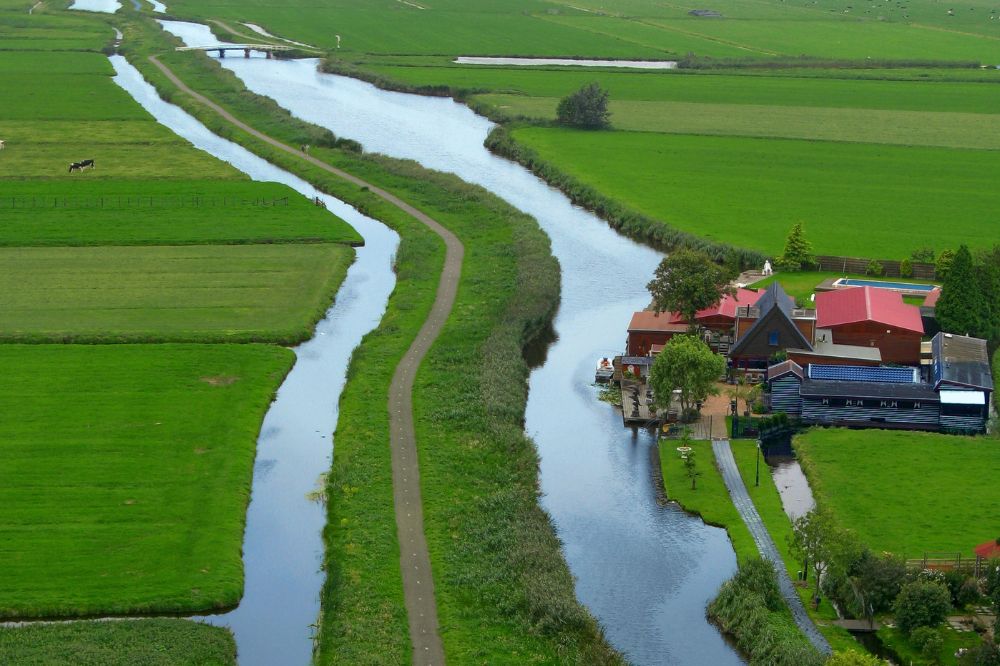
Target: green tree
<point>963,307</point>
<point>817,542</point>
<point>906,268</point>
<point>686,363</point>
<point>691,468</point>
<point>797,255</point>
<point>988,270</point>
<point>922,603</point>
<point>943,264</point>
<point>586,108</point>
<point>688,281</point>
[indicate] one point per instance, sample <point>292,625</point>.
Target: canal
<point>282,546</point>
<point>643,567</point>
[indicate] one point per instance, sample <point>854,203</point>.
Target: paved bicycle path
<point>418,581</point>
<point>741,499</point>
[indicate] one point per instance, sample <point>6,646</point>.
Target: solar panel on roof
<point>857,373</point>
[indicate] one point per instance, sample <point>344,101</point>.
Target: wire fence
<point>136,202</point>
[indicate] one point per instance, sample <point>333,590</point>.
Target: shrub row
<point>750,608</point>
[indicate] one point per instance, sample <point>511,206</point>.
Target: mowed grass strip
<point>236,293</point>
<point>150,212</point>
<point>907,128</point>
<point>126,474</point>
<point>853,199</point>
<point>124,643</point>
<point>710,498</point>
<point>906,492</point>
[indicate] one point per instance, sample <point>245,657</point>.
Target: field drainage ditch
<point>646,570</point>
<point>283,547</point>
<point>567,62</point>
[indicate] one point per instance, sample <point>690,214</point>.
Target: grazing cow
<point>79,166</point>
<point>3,144</point>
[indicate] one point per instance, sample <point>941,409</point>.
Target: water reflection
<point>646,571</point>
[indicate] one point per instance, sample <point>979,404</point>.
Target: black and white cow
<point>79,166</point>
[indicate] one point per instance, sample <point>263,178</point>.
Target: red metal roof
<point>988,550</point>
<point>726,307</point>
<point>858,304</point>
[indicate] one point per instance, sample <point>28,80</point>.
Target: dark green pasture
<point>126,474</point>
<point>122,643</point>
<point>749,192</point>
<point>84,212</point>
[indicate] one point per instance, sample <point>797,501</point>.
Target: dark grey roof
<point>774,299</point>
<point>829,389</point>
<point>784,368</point>
<point>637,360</point>
<point>775,295</point>
<point>961,360</point>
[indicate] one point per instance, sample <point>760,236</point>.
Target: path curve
<point>741,498</point>
<point>418,581</point>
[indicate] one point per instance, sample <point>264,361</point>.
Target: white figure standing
<point>338,40</point>
<point>767,267</point>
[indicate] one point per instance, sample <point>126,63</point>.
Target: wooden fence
<point>921,271</point>
<point>971,565</point>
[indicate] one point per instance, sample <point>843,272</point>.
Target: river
<point>646,570</point>
<point>283,546</point>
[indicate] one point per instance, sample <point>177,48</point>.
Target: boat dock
<point>636,409</point>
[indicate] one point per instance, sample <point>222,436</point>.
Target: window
<point>772,338</point>
<point>826,402</point>
<point>916,405</point>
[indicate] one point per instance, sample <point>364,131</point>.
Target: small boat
<point>605,371</point>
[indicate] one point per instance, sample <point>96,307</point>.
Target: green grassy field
<point>851,197</point>
<point>82,212</point>
<point>640,28</point>
<point>908,128</point>
<point>198,293</point>
<point>126,643</point>
<point>907,493</point>
<point>126,474</point>
<point>710,499</point>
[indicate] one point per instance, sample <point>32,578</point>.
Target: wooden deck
<point>635,411</point>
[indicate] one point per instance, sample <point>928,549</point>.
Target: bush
<point>928,641</point>
<point>750,608</point>
<point>943,264</point>
<point>964,589</point>
<point>923,254</point>
<point>987,654</point>
<point>905,268</point>
<point>586,108</point>
<point>797,255</point>
<point>875,268</point>
<point>921,604</point>
<point>853,658</point>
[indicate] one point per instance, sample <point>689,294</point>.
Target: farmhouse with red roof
<point>870,317</point>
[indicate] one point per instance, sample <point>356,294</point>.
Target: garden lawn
<point>851,197</point>
<point>802,285</point>
<point>125,643</point>
<point>126,474</point>
<point>155,212</point>
<point>196,293</point>
<point>710,499</point>
<point>906,492</point>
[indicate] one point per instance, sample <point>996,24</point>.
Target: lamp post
<point>757,474</point>
<point>734,409</point>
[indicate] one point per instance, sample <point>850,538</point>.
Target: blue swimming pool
<point>881,284</point>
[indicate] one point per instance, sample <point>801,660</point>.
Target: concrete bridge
<point>269,49</point>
